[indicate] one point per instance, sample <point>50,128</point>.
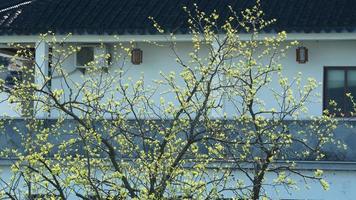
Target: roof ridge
<point>16,6</point>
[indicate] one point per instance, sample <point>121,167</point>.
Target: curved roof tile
<point>24,17</point>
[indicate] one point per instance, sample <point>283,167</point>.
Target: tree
<point>124,144</point>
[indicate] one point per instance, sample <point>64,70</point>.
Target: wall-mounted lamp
<point>136,56</point>
<point>302,55</point>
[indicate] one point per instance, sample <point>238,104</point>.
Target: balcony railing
<point>13,131</point>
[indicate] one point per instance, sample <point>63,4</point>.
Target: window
<point>85,55</point>
<point>338,81</point>
<point>10,72</point>
<point>90,52</point>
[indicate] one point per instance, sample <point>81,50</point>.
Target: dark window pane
<point>10,72</point>
<point>12,78</point>
<point>85,55</point>
<point>335,89</point>
<point>351,88</point>
<point>4,63</point>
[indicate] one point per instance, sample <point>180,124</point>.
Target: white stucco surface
<point>342,186</point>
<point>162,59</point>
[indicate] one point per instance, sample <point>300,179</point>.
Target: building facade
<point>325,29</point>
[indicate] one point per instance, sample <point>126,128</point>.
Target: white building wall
<point>321,54</point>
<point>342,185</point>
<point>157,60</point>
<point>162,59</point>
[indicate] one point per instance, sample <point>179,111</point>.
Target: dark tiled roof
<point>131,16</point>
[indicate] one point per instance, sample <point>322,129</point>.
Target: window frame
<point>325,77</point>
<point>94,46</point>
<point>98,49</point>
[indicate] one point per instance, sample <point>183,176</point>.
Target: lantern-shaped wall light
<point>302,55</point>
<point>136,56</point>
